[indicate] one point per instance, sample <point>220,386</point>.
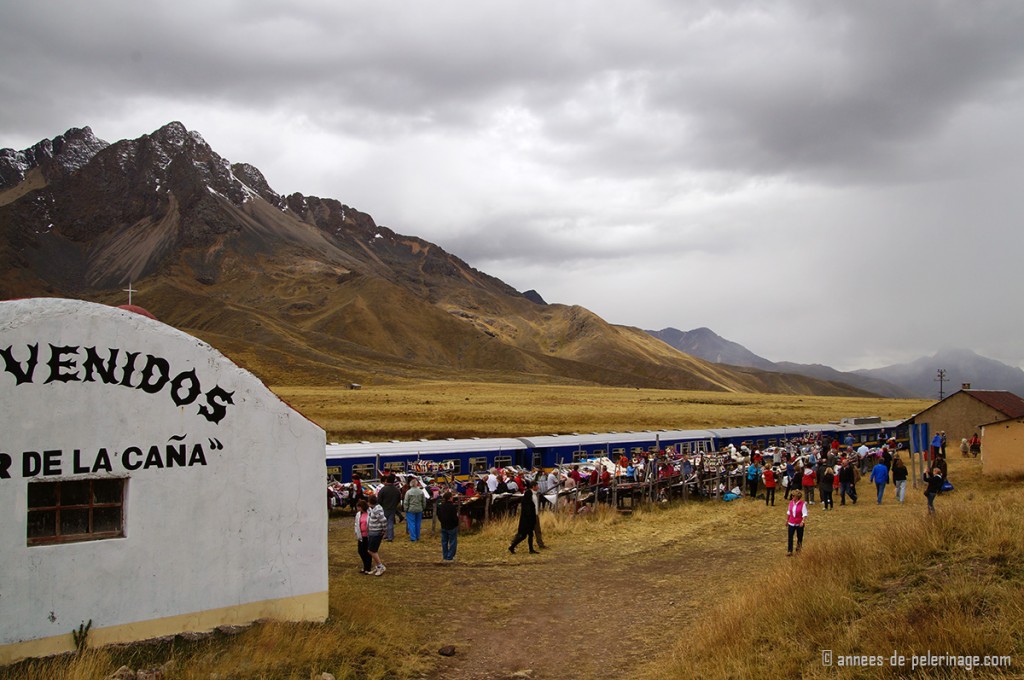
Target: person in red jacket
<point>810,480</point>
<point>769,486</point>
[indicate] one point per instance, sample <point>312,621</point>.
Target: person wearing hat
<point>527,519</point>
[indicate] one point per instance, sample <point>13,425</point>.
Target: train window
<point>454,465</point>
<point>394,467</point>
<point>638,451</point>
<point>760,443</point>
<point>364,470</point>
<point>771,442</point>
<point>616,453</point>
<point>577,456</point>
<point>478,464</point>
<point>502,461</point>
<point>538,459</point>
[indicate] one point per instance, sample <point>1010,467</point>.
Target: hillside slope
<point>301,289</point>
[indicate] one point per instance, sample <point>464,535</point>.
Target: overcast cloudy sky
<point>832,182</point>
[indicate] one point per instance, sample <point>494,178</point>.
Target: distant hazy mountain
<point>704,343</point>
<point>961,366</point>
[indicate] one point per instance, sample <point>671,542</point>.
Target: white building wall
<point>236,534</point>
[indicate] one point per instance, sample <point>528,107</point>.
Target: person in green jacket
<point>415,502</point>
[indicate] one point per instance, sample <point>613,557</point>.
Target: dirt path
<point>593,603</point>
<point>603,600</point>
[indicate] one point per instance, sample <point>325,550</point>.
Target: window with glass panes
<point>78,510</point>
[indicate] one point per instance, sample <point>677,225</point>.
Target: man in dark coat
<point>389,497</point>
<point>527,519</point>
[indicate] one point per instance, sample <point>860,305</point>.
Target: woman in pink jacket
<point>796,516</point>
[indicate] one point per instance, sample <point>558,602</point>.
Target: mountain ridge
<point>915,379</point>
<point>304,289</point>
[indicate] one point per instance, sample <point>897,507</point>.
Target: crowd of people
<point>809,471</point>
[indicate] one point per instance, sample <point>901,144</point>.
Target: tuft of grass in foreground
<point>952,583</point>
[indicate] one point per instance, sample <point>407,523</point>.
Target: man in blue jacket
<point>880,476</point>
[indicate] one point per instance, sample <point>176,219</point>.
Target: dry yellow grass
<point>951,584</point>
<point>411,410</point>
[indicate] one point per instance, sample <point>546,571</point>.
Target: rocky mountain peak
<point>56,158</point>
<point>254,179</point>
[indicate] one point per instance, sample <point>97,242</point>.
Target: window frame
<point>90,507</point>
<point>364,470</point>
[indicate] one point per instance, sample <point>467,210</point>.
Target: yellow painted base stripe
<point>312,607</point>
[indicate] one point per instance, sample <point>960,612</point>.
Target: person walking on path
<point>880,476</point>
<point>448,515</point>
<point>536,525</point>
<point>376,524</point>
<point>415,502</point>
<point>527,519</point>
<point>796,517</point>
<point>827,475</point>
<point>935,482</point>
<point>362,529</point>
<point>389,497</point>
<point>847,483</point>
<point>899,478</point>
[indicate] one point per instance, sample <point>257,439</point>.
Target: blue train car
<point>460,456</point>
<point>463,457</point>
<point>552,450</point>
<point>761,437</point>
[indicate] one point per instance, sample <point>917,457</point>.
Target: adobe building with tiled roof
<point>1002,447</point>
<point>963,413</point>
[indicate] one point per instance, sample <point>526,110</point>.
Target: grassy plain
<point>435,410</point>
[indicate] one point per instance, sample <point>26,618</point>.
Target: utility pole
<point>941,378</point>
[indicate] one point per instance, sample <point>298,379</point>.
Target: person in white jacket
<point>362,527</point>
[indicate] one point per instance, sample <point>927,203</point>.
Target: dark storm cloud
<point>664,163</point>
